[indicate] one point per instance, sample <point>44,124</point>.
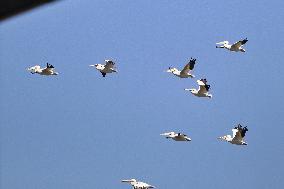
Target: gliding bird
<point>49,70</point>
<point>203,89</point>
<point>137,184</point>
<point>239,133</point>
<point>238,46</point>
<point>107,68</point>
<point>176,136</point>
<point>185,72</point>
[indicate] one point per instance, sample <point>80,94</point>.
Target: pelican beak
<point>31,69</point>
<point>126,180</point>
<point>164,134</point>
<point>169,70</point>
<point>188,90</point>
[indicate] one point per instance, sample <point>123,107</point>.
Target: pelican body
<point>239,133</point>
<point>176,136</point>
<point>203,89</point>
<point>137,184</point>
<point>108,67</point>
<point>185,72</point>
<point>238,46</point>
<point>48,70</point>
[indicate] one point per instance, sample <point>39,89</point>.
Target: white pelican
<point>107,68</point>
<point>176,136</point>
<point>238,46</point>
<point>185,72</point>
<point>203,89</point>
<point>239,133</point>
<point>137,184</point>
<point>49,70</point>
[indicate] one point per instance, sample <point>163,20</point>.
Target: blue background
<point>80,130</point>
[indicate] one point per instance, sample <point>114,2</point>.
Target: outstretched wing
<point>181,135</point>
<point>237,136</point>
<point>239,43</point>
<point>109,64</point>
<point>188,67</point>
<point>49,65</point>
<point>49,69</point>
<point>203,86</point>
<point>202,89</point>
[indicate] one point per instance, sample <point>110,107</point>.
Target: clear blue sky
<point>79,130</point>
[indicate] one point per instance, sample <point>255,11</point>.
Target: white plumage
<point>176,136</point>
<point>186,71</point>
<point>238,135</point>
<point>237,46</point>
<point>202,90</point>
<point>108,67</point>
<point>138,184</point>
<point>48,70</point>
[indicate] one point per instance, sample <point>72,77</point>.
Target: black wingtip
<point>244,41</point>
<point>207,87</point>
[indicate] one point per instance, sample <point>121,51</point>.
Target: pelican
<point>49,70</point>
<point>237,46</point>
<point>137,184</point>
<point>203,89</point>
<point>185,72</point>
<point>107,68</point>
<point>176,136</point>
<point>239,133</point>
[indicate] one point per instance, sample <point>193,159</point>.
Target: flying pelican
<point>107,68</point>
<point>176,136</point>
<point>239,133</point>
<point>49,70</point>
<point>137,184</point>
<point>238,46</point>
<point>203,89</point>
<point>185,72</point>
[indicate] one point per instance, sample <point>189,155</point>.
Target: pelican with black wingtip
<point>108,67</point>
<point>186,71</point>
<point>176,136</point>
<point>138,184</point>
<point>48,70</point>
<point>239,133</point>
<point>237,46</point>
<point>202,90</point>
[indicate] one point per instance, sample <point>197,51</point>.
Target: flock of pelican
<point>203,91</point>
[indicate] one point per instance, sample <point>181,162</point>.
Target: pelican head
<point>226,138</point>
<point>193,91</point>
<point>94,65</point>
<point>34,69</point>
<point>171,70</point>
<point>167,134</point>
